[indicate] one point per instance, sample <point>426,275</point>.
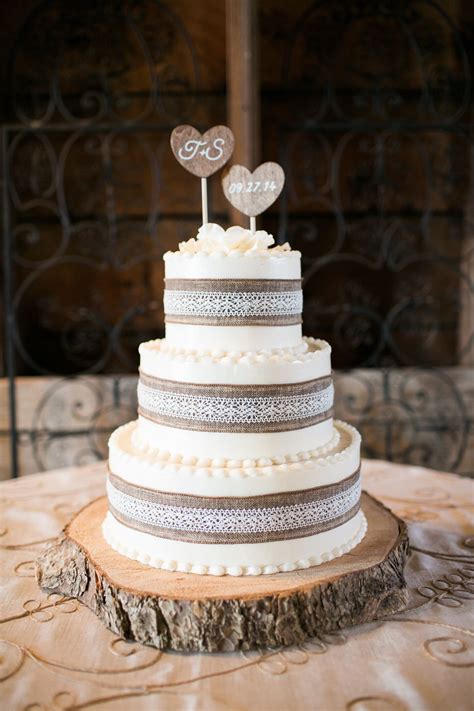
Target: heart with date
<point>202,154</point>
<point>252,193</point>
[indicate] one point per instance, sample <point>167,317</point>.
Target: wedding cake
<point>235,464</point>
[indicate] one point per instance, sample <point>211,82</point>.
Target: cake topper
<point>252,193</point>
<point>202,154</point>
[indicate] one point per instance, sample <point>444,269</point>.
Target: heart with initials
<point>202,153</point>
<point>252,193</point>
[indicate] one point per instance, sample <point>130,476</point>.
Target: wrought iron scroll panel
<point>378,150</point>
<point>93,102</point>
<point>379,198</point>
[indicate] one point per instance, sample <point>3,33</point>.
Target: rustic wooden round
<point>204,613</point>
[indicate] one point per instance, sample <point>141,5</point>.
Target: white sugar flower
<point>213,238</point>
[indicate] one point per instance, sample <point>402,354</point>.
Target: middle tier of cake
<point>235,405</point>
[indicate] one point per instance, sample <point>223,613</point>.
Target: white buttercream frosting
<point>160,469</point>
<point>236,560</point>
<point>311,358</point>
<point>212,238</point>
<point>230,445</point>
<point>194,336</point>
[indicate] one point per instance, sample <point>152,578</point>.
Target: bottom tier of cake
<point>227,518</point>
<point>235,559</point>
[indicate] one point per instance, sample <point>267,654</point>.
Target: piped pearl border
<point>221,468</point>
<point>161,349</point>
<point>279,251</point>
<point>238,571</point>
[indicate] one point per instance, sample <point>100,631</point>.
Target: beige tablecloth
<point>54,653</point>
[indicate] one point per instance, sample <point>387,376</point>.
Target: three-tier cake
<point>235,464</point>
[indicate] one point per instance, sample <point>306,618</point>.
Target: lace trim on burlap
<point>235,408</point>
<point>255,519</point>
<point>227,302</point>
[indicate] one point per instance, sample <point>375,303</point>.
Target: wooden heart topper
<point>252,193</point>
<point>202,154</point>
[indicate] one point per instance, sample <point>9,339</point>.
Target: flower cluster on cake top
<point>212,238</point>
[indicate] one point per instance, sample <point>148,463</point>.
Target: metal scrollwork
<point>81,70</point>
<point>378,152</point>
<point>94,89</point>
<point>378,158</point>
<point>82,411</point>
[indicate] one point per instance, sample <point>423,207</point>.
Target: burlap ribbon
<point>230,520</point>
<point>233,302</point>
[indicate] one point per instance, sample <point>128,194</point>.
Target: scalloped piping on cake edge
<point>276,252</point>
<point>262,357</point>
<point>227,468</point>
<point>236,571</point>
<point>218,468</point>
<point>147,451</point>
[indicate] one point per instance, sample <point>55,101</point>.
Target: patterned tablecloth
<point>54,653</point>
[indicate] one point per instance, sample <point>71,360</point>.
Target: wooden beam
<point>243,87</point>
<point>466,296</point>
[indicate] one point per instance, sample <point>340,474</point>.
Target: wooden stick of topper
<point>202,154</point>
<point>252,193</point>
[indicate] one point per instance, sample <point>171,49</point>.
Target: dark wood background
<point>367,105</point>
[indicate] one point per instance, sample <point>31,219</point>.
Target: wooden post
<point>466,299</point>
<point>243,87</point>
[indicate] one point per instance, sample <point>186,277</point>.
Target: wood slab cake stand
<point>185,612</point>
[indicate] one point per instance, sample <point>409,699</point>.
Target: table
<point>54,653</point>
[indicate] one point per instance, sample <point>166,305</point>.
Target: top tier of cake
<point>233,279</point>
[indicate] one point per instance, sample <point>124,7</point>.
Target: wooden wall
<point>379,198</point>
